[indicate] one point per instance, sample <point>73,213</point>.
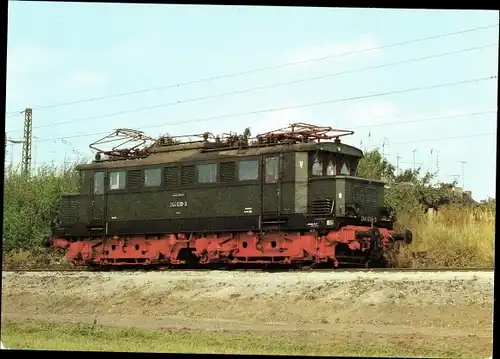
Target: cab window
<point>117,180</point>
<point>248,170</point>
<point>98,182</point>
<point>272,169</point>
<point>317,167</point>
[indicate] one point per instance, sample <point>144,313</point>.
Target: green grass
<point>34,335</point>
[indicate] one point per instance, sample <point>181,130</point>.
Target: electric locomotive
<point>287,197</point>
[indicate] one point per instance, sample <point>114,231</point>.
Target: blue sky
<point>74,51</point>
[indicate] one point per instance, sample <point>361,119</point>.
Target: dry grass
<point>453,237</point>
<point>25,259</point>
<point>84,337</point>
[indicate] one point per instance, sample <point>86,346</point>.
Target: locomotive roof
<point>192,153</point>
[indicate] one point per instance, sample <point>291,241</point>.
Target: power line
<point>429,119</point>
<point>268,86</point>
<point>13,114</point>
<point>262,69</point>
<point>320,103</point>
<point>441,139</point>
<point>365,126</point>
<point>415,141</point>
<point>345,99</point>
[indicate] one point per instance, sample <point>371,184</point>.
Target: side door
<point>97,201</point>
<point>271,185</point>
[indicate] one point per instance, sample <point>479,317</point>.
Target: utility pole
<point>5,151</point>
<point>437,162</point>
<point>463,174</point>
<point>383,148</point>
<point>414,166</point>
<point>398,157</point>
<point>27,141</point>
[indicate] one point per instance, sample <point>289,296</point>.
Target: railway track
<point>483,269</point>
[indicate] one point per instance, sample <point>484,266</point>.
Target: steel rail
<point>139,270</point>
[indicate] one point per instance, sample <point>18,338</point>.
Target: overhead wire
<point>440,139</point>
<point>319,103</point>
<point>435,118</point>
<point>263,87</point>
<point>411,141</point>
<point>267,68</point>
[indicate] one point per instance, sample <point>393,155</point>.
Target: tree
<point>374,166</point>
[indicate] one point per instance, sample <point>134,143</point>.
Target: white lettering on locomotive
<point>178,204</point>
<point>368,219</point>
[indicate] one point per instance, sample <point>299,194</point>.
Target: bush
<point>30,203</point>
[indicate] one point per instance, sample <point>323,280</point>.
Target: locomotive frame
<point>289,196</point>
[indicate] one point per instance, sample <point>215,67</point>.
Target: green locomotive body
<point>276,185</point>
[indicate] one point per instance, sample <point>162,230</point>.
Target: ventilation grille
<point>227,172</point>
<point>69,210</point>
<point>187,175</point>
<point>321,207</point>
<point>171,176</point>
<point>134,179</point>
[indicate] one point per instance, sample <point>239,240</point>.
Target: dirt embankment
<point>413,306</point>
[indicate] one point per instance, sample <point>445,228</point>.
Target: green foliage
<point>373,166</point>
<point>30,203</point>
<point>409,190</point>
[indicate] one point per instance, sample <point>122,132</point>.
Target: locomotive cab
<point>336,190</point>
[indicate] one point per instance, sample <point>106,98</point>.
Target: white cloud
<point>363,46</point>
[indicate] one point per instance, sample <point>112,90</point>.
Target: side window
<point>117,180</point>
<point>345,169</point>
<point>317,168</point>
<point>98,183</point>
<point>207,173</point>
<point>353,167</point>
<point>330,170</point>
<point>272,169</point>
<point>248,170</point>
<point>152,177</point>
